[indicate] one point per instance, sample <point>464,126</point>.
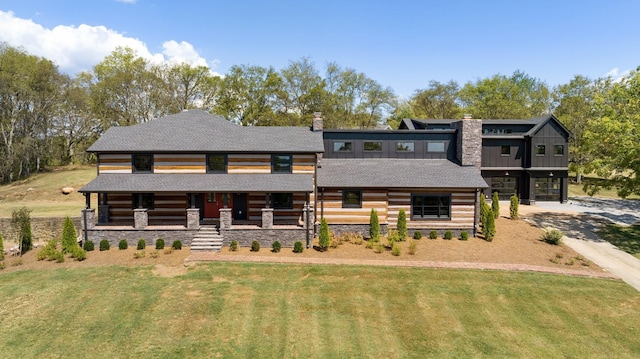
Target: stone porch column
<point>267,218</point>
<point>193,218</point>
<point>225,218</point>
<point>103,213</point>
<point>90,215</point>
<point>140,218</point>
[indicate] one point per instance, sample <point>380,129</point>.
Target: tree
<point>489,227</point>
<point>574,107</point>
<point>21,223</point>
<point>513,207</point>
<point>438,100</point>
<point>1,248</point>
<point>69,236</point>
<point>190,87</point>
<point>402,225</point>
<point>483,207</point>
<point>495,205</point>
<point>374,226</point>
<point>324,238</point>
<point>614,138</point>
<point>500,97</point>
<point>303,90</point>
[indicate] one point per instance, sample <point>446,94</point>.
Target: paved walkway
<point>579,218</point>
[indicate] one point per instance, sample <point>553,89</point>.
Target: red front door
<point>212,205</point>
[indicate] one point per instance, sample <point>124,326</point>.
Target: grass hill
<point>42,192</point>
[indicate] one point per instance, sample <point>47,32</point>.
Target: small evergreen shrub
<point>413,247</point>
<point>298,247</point>
<point>374,226</point>
<point>495,205</point>
<point>141,244</point>
<point>464,235</point>
<point>21,222</point>
<point>49,251</point>
<point>489,228</point>
<point>370,244</point>
<point>88,246</point>
<point>78,253</point>
<point>123,244</point>
<point>104,245</point>
<point>433,234</point>
<point>177,245</point>
<point>160,243</point>
<point>396,250</point>
<point>69,236</point>
<point>255,246</point>
<point>138,254</point>
<point>402,225</point>
<point>513,207</point>
<point>1,248</point>
<point>233,246</point>
<point>417,234</point>
<point>448,234</point>
<point>392,238</point>
<point>378,248</point>
<point>323,237</point>
<point>483,207</point>
<point>58,256</point>
<point>276,246</point>
<point>552,236</point>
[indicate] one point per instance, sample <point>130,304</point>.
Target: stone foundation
<point>286,236</point>
<point>454,232</point>
<point>363,229</point>
<point>134,235</point>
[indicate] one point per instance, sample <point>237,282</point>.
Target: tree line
<point>49,118</point>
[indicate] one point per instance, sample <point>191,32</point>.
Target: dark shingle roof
<point>199,131</point>
<point>151,182</point>
<point>397,173</point>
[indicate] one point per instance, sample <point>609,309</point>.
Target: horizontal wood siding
<point>330,204</point>
<point>462,210</point>
<point>257,201</point>
<point>120,211</point>
<point>114,163</point>
<point>304,163</point>
<point>179,163</point>
<point>169,208</point>
<point>249,163</point>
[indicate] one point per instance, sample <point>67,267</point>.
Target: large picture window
<point>372,146</point>
<point>405,147</point>
<point>342,146</point>
<point>142,163</point>
<point>351,199</point>
<point>435,146</point>
<point>216,163</point>
<point>429,206</point>
<point>142,200</point>
<point>282,200</point>
<point>281,163</point>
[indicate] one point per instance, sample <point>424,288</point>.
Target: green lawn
<point>627,238</point>
<point>283,311</point>
<point>42,193</point>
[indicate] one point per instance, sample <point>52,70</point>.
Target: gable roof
<point>199,131</point>
<point>397,173</point>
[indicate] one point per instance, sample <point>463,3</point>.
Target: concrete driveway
<point>579,218</point>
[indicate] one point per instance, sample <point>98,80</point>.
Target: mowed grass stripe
<point>273,310</point>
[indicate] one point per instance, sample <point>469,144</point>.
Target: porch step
<point>207,239</point>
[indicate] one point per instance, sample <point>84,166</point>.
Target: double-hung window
<point>142,163</point>
<point>351,199</point>
<point>281,163</point>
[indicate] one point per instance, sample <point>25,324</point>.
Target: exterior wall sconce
<point>550,174</point>
<point>506,173</point>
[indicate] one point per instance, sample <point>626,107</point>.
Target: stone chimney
<point>469,140</point>
<point>316,125</point>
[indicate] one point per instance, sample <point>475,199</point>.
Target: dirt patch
<point>162,270</point>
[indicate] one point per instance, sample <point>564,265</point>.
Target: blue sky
<point>401,44</point>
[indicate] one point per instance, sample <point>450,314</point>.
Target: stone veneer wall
<point>134,235</point>
<point>469,142</point>
<point>286,236</point>
<point>42,229</point>
<point>363,229</point>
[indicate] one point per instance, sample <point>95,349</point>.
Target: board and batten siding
<point>330,207</point>
<point>114,163</point>
<point>179,163</point>
<point>462,210</point>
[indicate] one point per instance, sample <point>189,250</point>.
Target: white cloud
<point>616,74</point>
<point>76,49</point>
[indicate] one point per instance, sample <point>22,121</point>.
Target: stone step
<point>207,239</point>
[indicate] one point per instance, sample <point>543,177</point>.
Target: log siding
<point>331,207</point>
<point>114,163</point>
<point>462,209</point>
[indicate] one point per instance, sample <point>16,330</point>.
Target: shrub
<point>483,207</point>
<point>160,243</point>
<point>276,246</point>
<point>323,237</point>
<point>58,256</point>
<point>552,236</point>
<point>78,253</point>
<point>141,244</point>
<point>104,245</point>
<point>433,234</point>
<point>21,222</point>
<point>374,226</point>
<point>154,254</point>
<point>298,247</point>
<point>392,237</point>
<point>18,262</point>
<point>1,248</point>
<point>448,234</point>
<point>123,244</point>
<point>168,250</point>
<point>489,228</point>
<point>413,247</point>
<point>402,225</point>
<point>369,245</point>
<point>513,207</point>
<point>3,265</point>
<point>233,246</point>
<point>396,250</point>
<point>378,247</point>
<point>88,246</point>
<point>464,235</point>
<point>177,245</point>
<point>69,236</point>
<point>138,254</point>
<point>495,205</point>
<point>417,234</point>
<point>255,246</point>
<point>484,213</point>
<point>49,251</point>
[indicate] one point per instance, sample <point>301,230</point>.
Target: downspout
<point>87,198</point>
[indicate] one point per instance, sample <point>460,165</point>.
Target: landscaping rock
<point>67,190</point>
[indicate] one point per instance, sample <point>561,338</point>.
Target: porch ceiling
<point>154,183</point>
